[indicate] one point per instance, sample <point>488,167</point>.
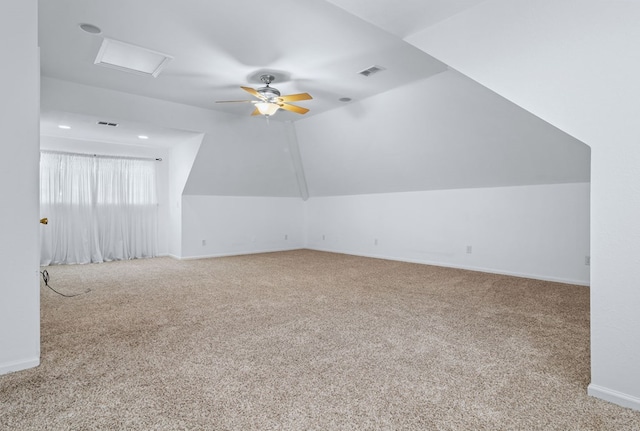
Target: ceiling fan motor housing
<point>270,99</point>
<point>269,93</point>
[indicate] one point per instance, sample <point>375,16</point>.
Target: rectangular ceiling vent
<point>131,58</point>
<point>105,123</point>
<point>371,70</point>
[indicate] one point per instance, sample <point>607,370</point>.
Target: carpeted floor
<point>306,340</point>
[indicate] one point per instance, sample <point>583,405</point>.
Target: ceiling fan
<point>269,99</point>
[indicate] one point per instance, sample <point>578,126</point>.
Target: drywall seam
<point>296,159</point>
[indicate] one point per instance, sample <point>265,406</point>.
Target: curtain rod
<point>157,159</point>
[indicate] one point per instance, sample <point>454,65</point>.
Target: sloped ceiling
<point>252,161</point>
<point>570,62</point>
<point>414,126</point>
<point>450,133</point>
<point>405,17</point>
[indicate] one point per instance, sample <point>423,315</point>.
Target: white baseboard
<point>236,253</point>
<point>18,366</point>
<point>614,397</point>
<point>468,268</point>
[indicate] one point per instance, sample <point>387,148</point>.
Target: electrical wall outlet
<point>204,242</point>
<point>469,249</point>
<point>286,237</point>
<point>587,260</point>
<point>375,241</point>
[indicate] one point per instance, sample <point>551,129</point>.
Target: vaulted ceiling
<point>416,125</point>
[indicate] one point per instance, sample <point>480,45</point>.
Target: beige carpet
<point>307,340</point>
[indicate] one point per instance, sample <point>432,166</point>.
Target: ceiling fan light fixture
<point>270,100</point>
<point>267,109</point>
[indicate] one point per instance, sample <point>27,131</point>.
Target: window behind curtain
<point>99,208</point>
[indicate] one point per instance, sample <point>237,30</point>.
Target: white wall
<point>233,225</point>
<point>573,63</point>
<point>180,164</point>
<point>19,187</point>
<point>539,231</point>
<point>107,148</point>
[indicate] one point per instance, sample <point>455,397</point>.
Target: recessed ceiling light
<point>90,28</point>
<point>345,99</point>
<point>64,126</point>
<point>143,137</point>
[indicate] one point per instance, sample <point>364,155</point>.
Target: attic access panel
<point>131,58</point>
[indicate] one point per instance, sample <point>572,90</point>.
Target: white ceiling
<point>405,17</point>
<point>410,135</point>
<point>86,127</point>
<point>312,46</point>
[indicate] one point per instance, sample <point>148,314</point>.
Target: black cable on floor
<point>45,278</point>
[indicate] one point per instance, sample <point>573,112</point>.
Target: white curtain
<point>99,208</point>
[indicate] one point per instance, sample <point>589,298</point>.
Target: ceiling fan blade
<point>293,108</point>
<point>253,92</point>
<point>234,101</point>
<point>255,112</point>
<point>295,97</point>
